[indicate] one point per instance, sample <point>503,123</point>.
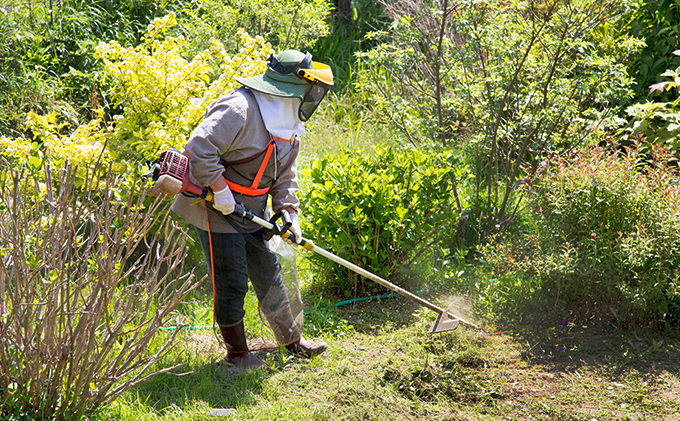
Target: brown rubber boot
<point>287,333</point>
<point>237,347</point>
<point>307,349</point>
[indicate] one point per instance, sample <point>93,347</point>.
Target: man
<point>245,151</point>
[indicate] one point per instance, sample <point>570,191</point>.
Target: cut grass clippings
<point>387,367</point>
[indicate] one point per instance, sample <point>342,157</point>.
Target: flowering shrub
<point>606,240</point>
<point>164,95</point>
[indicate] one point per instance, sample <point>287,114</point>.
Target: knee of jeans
<point>265,282</point>
<point>231,285</point>
<point>229,312</point>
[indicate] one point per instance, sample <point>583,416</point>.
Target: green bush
<point>606,241</point>
<point>384,211</point>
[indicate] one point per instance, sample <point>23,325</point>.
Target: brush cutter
<point>170,174</point>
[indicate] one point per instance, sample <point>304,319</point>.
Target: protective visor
<point>316,92</point>
<point>321,77</point>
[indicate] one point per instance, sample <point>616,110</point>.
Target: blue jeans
<point>237,258</point>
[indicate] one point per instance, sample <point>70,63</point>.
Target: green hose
<point>341,303</point>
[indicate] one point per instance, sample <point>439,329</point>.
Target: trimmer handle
<point>276,228</point>
<point>272,228</point>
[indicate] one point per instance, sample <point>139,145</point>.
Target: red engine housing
<point>170,173</point>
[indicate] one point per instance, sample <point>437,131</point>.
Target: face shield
<point>312,99</point>
<point>321,77</point>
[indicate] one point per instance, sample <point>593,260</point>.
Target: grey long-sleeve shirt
<point>232,130</point>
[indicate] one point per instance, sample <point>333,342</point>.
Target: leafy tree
<point>509,82</point>
<point>162,97</point>
<point>46,55</point>
<point>657,23</point>
<point>285,24</point>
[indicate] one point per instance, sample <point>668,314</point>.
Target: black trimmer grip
<point>276,228</point>
<point>287,222</point>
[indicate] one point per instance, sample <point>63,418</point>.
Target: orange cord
<point>212,264</point>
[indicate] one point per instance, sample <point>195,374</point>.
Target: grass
<point>341,122</point>
<point>382,365</point>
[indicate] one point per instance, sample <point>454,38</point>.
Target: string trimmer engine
<point>170,174</point>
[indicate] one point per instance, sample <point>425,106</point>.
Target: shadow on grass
<point>563,341</point>
<point>213,383</point>
<point>378,315</point>
<point>563,345</point>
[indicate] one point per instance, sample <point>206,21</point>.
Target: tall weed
<point>23,85</point>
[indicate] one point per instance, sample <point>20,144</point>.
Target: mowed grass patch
<point>387,367</point>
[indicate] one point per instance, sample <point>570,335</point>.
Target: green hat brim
<point>276,84</point>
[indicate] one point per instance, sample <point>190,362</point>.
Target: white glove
<point>224,201</point>
<point>294,229</point>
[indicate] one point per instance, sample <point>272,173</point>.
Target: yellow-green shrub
<point>82,148</point>
<point>163,95</point>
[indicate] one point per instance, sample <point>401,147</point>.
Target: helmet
<point>294,74</point>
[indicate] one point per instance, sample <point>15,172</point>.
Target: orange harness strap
<point>253,190</point>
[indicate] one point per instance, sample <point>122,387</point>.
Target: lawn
<point>383,365</point>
